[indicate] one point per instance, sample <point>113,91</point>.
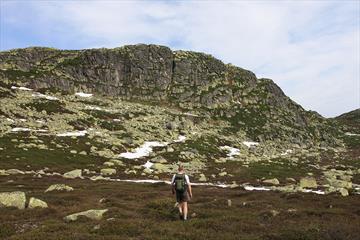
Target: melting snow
<point>286,152</point>
<point>148,165</point>
<point>116,120</point>
<point>142,151</point>
<point>232,151</point>
<point>21,88</point>
<point>249,144</point>
<point>313,191</point>
<point>81,94</point>
<point>71,134</point>
<point>10,120</point>
<point>20,129</point>
<point>94,108</point>
<point>181,138</point>
<point>352,134</point>
<point>39,95</point>
<point>252,188</point>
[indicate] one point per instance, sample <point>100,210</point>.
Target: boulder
<point>14,171</point>
<point>13,199</point>
<point>108,171</point>
<point>59,187</point>
<point>273,181</point>
<point>344,192</point>
<point>77,173</point>
<point>222,174</point>
<point>308,182</point>
<point>117,162</point>
<point>98,178</point>
<point>92,214</point>
<point>37,203</point>
<point>202,178</point>
<point>3,173</point>
<point>339,183</point>
<point>108,164</point>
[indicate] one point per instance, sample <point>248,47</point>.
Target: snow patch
<point>82,94</point>
<point>72,134</point>
<point>10,120</point>
<point>148,165</point>
<point>116,120</point>
<point>20,129</point>
<point>181,138</point>
<point>143,151</point>
<point>40,95</point>
<point>94,108</point>
<point>249,144</point>
<point>21,88</point>
<point>313,191</point>
<point>252,188</point>
<point>232,151</point>
<point>286,152</point>
<point>351,134</point>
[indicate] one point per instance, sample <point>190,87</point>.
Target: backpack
<point>180,182</point>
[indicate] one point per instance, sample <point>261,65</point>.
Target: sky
<point>311,49</point>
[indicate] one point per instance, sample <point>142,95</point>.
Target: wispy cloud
<point>310,48</point>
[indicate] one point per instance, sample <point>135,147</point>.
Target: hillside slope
<point>189,81</point>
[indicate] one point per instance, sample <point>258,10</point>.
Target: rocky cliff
<point>189,81</point>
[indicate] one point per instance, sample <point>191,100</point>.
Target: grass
<point>142,211</point>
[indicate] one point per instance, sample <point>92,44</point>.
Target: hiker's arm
<point>189,190</point>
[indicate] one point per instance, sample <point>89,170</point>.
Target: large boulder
<point>273,181</point>
<point>37,203</point>
<point>77,173</point>
<point>308,182</point>
<point>59,187</point>
<point>13,199</point>
<point>92,214</point>
<point>108,171</point>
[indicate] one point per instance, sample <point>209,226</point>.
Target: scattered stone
<point>37,203</point>
<point>92,214</point>
<point>59,187</point>
<point>98,178</point>
<point>108,164</point>
<point>108,171</point>
<point>308,182</point>
<point>14,171</point>
<point>291,180</point>
<point>273,181</point>
<point>344,192</point>
<point>77,173</point>
<point>13,199</point>
<point>229,203</point>
<point>117,162</point>
<point>222,174</point>
<point>202,178</point>
<point>274,213</point>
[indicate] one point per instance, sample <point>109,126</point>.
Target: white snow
<point>313,191</point>
<point>40,95</point>
<point>20,129</point>
<point>190,115</point>
<point>21,88</point>
<point>232,151</point>
<point>286,152</point>
<point>181,138</point>
<point>252,188</point>
<point>142,151</point>
<point>249,144</point>
<point>93,108</point>
<point>148,165</point>
<point>71,134</point>
<point>116,120</point>
<point>352,134</point>
<point>82,94</point>
<point>40,121</point>
<point>22,120</point>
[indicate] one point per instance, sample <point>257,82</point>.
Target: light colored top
<point>186,179</point>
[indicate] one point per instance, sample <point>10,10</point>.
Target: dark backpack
<point>180,182</point>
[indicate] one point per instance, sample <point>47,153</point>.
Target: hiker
<point>180,184</point>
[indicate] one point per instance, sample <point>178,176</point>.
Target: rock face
<point>59,187</point>
<point>188,80</point>
<point>37,203</point>
<point>13,199</point>
<point>92,214</point>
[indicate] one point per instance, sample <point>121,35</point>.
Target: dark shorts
<point>182,196</point>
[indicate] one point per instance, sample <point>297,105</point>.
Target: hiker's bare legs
<point>185,209</point>
<point>180,208</point>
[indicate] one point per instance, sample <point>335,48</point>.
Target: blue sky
<point>309,48</point>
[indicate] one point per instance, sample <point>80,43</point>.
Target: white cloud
<point>311,49</point>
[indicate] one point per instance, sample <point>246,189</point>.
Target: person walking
<point>180,184</point>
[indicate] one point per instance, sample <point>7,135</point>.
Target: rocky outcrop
<point>13,199</point>
<point>37,203</point>
<point>91,214</point>
<point>59,187</point>
<point>188,80</point>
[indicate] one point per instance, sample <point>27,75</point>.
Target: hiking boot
<point>181,217</point>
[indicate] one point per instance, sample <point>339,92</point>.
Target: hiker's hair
<point>180,168</point>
